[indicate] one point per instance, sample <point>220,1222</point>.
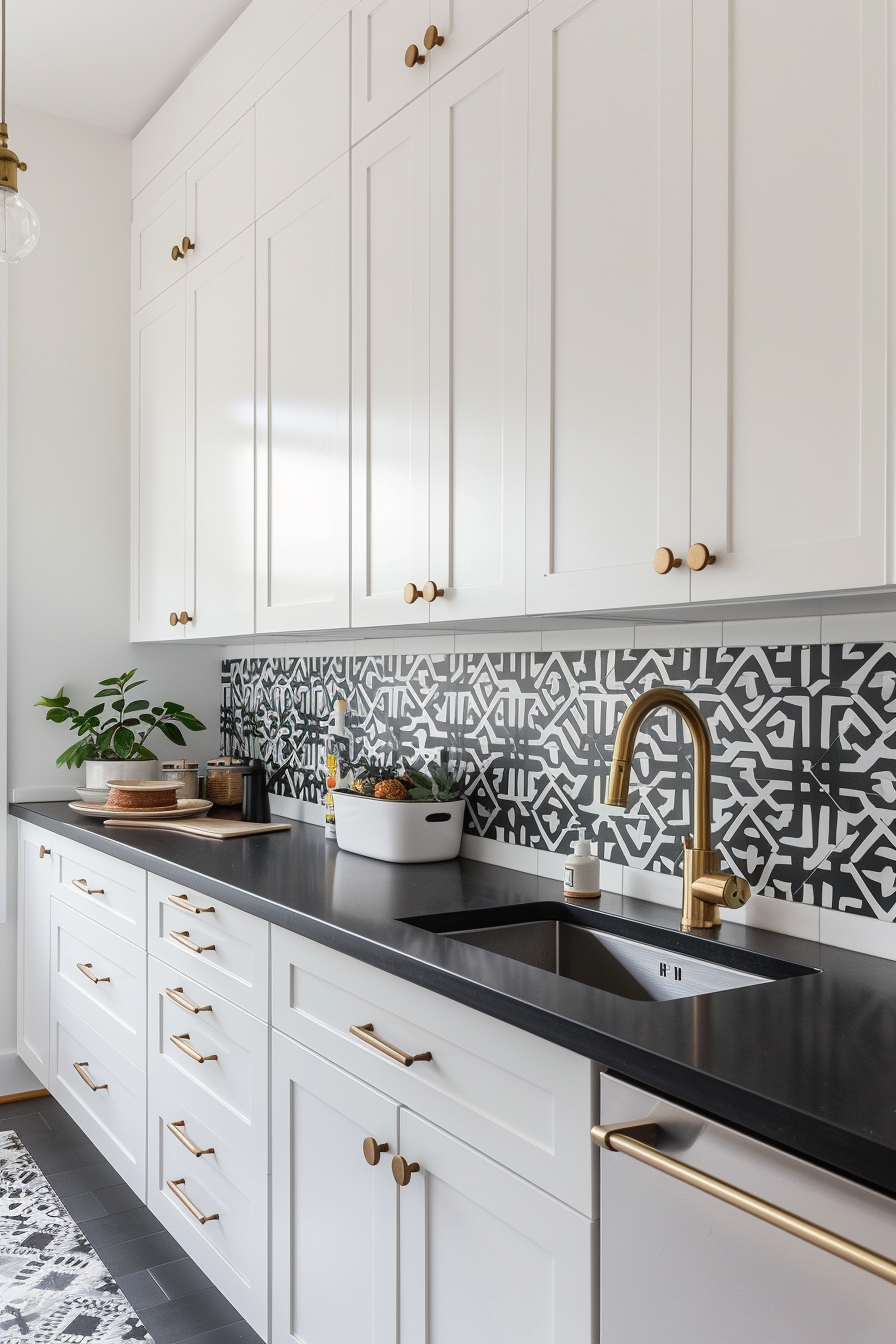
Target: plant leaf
<point>190,721</point>
<point>135,705</point>
<point>123,742</point>
<point>173,707</point>
<point>110,681</point>
<point>173,733</point>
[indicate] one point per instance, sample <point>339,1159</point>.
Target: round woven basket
<point>131,795</point>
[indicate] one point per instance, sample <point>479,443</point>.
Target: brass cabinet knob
<point>43,853</point>
<point>177,253</point>
<point>402,1170</point>
<point>722,889</point>
<point>412,592</point>
<point>699,556</point>
<point>664,560</point>
<point>372,1151</point>
<point>431,592</point>
<point>432,37</point>
<point>182,619</point>
<point>413,57</point>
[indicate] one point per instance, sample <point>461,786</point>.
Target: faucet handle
<point>722,889</point>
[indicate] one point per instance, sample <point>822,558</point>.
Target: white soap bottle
<point>581,875</point>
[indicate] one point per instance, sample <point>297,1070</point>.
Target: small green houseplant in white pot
<point>114,747</point>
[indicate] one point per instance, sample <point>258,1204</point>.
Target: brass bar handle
<point>179,997</point>
<point>85,968</point>
<point>179,1041</point>
<point>186,941</point>
<point>174,1187</point>
<point>402,1171</point>
<point>367,1034</point>
<point>178,1129</point>
<point>183,904</point>
<point>636,1139</point>
<point>81,1070</point>
<point>81,884</point>
<point>372,1151</point>
<point>42,852</point>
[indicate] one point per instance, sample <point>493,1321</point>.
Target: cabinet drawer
<point>229,1087</point>
<point>525,1102</point>
<point>232,1246</point>
<point>105,889</point>
<point>223,948</point>
<point>101,977</point>
<point>111,1107</point>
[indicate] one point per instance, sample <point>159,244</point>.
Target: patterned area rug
<point>53,1286</point>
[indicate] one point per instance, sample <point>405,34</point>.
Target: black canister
<point>256,805</point>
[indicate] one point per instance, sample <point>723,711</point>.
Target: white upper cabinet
<point>790,277</point>
<point>382,82</point>
<point>220,304</point>
<point>220,192</point>
<point>155,231</point>
<point>302,471</point>
<point>478,333</point>
<point>158,466</point>
<point>465,26</point>
<point>302,123</point>
<point>609,301</point>
<point>390,368</point>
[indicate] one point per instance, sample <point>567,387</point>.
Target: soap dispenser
<point>581,875</point>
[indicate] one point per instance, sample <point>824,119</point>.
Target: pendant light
<point>19,225</point>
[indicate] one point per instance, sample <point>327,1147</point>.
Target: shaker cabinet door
<point>158,466</point>
<point>221,441</point>
<point>466,25</point>
<point>609,302</point>
<point>478,333</point>
<point>221,191</point>
<point>382,81</point>
<point>302,461</point>
<point>390,369</point>
<point>486,1256</point>
<point>156,230</point>
<point>790,282</point>
<point>333,1215</point>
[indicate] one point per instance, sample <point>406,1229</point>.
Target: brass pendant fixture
<point>19,225</point>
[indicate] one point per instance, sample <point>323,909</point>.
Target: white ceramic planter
<point>405,832</point>
<point>100,772</point>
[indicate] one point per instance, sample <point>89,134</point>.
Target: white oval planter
<point>100,772</point>
<point>405,832</point>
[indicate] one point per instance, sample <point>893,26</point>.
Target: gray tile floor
<point>175,1300</point>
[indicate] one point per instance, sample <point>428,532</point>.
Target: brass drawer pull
<point>85,968</point>
<point>372,1151</point>
<point>183,904</point>
<point>402,1171</point>
<point>81,1070</point>
<point>178,1129</point>
<point>367,1034</point>
<point>179,997</point>
<point>186,941</point>
<point>174,1187</point>
<point>188,1049</point>
<point>44,853</point>
<point>636,1139</point>
<point>81,884</point>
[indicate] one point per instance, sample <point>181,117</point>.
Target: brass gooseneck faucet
<point>704,886</point>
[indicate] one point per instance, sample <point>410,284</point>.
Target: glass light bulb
<point>19,226</point>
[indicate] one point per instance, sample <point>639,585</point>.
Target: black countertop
<point>808,1062</point>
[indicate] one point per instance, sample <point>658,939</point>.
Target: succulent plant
<point>444,783</point>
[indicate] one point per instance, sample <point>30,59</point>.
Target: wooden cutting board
<point>210,828</point>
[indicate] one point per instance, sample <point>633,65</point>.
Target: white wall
<point>68,464</point>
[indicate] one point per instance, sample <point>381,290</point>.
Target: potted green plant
<point>114,747</point>
<point>409,816</point>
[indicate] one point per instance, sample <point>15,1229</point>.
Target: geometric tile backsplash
<point>804,750</point>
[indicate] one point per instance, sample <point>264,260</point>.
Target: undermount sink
<point>571,943</point>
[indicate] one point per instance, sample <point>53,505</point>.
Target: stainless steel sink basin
<point>611,952</point>
<point>607,961</point>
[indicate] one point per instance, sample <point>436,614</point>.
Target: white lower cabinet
<point>102,1089</point>
<point>485,1257</point>
<point>716,1272</point>
<point>33,949</point>
<point>334,1217</point>
<point>213,1198</point>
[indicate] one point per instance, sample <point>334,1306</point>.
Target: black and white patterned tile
<point>804,750</point>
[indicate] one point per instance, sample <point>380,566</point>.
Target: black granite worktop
<point>807,1061</point>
